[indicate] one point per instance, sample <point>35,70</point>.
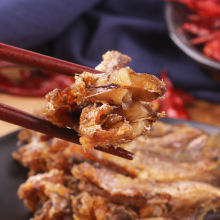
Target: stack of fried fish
<point>174,175</point>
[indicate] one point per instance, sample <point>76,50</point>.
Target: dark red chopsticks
<point>23,119</point>
<point>39,61</point>
<point>120,152</point>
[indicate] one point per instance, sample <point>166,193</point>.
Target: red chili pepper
<point>205,24</point>
<point>202,7</point>
<point>33,83</point>
<point>206,38</point>
<point>187,98</point>
<point>174,101</point>
<point>196,29</point>
<point>212,49</point>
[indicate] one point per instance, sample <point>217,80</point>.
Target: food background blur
<point>80,31</point>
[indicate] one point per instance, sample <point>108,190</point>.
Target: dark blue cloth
<point>81,31</point>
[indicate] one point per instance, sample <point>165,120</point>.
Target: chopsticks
<point>120,152</point>
<point>39,61</point>
<point>23,119</point>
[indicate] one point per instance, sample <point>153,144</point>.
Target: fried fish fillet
<point>47,195</point>
<point>87,206</point>
<point>173,176</point>
<point>167,154</point>
<point>179,198</point>
<point>108,108</point>
<point>102,192</point>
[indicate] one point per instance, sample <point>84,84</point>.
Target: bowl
<point>175,16</point>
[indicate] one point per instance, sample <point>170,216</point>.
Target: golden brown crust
<point>85,206</point>
<point>182,196</point>
<point>111,95</point>
<point>173,176</point>
<point>167,154</point>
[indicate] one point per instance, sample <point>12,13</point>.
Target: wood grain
<point>205,112</point>
<point>31,105</point>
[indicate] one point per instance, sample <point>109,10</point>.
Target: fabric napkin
<point>81,31</point>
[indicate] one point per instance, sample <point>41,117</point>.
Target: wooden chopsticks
<point>39,61</point>
<point>120,152</point>
<point>23,119</point>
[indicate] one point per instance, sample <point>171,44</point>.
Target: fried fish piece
<point>109,108</point>
<point>174,199</point>
<point>173,176</point>
<point>47,196</point>
<point>89,207</point>
<point>167,154</point>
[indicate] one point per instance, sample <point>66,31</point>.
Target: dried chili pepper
<point>204,25</point>
<point>32,82</point>
<point>212,49</point>
<point>196,29</point>
<point>175,100</point>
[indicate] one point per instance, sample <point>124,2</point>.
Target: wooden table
<point>205,112</point>
<point>30,105</point>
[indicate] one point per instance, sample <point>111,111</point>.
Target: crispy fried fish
<point>108,108</point>
<point>174,176</point>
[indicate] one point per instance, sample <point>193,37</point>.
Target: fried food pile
<point>108,108</point>
<point>173,176</point>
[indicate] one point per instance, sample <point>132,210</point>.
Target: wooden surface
<point>30,105</point>
<point>205,112</point>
